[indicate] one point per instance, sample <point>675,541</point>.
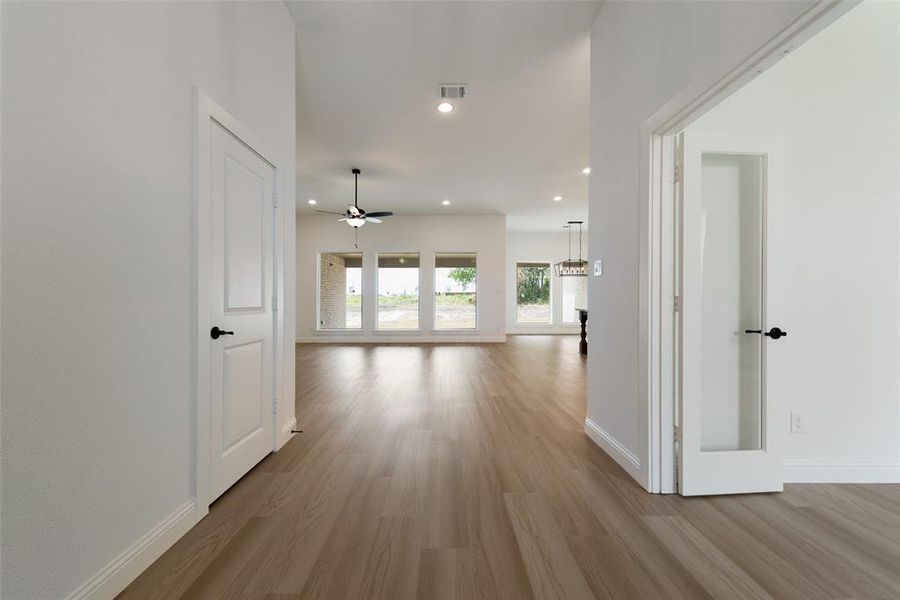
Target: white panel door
<point>241,390</point>
<point>730,330</point>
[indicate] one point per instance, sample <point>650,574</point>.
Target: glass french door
<point>730,336</point>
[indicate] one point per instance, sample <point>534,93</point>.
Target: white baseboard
<point>846,471</point>
<point>286,432</point>
<point>384,339</point>
<point>547,331</point>
<point>125,568</point>
<point>622,455</point>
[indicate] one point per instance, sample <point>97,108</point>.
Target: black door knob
<point>775,333</point>
<point>215,332</point>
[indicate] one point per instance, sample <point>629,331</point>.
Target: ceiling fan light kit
<point>354,216</point>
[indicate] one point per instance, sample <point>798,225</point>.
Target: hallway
<point>463,471</point>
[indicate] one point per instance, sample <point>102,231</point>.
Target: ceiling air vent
<point>452,90</point>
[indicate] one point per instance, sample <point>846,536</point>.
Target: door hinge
<point>274,406</point>
<point>274,303</point>
<point>275,199</point>
<point>676,434</point>
<point>677,304</point>
<point>678,174</point>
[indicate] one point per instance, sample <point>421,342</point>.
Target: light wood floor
<point>464,472</point>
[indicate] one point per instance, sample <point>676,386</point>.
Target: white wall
<point>97,243</point>
<point>551,247</point>
<point>834,104</point>
<point>643,54</point>
<point>426,234</point>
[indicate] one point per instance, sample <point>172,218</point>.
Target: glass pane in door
<point>732,301</point>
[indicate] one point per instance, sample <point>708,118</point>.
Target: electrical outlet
<point>798,422</point>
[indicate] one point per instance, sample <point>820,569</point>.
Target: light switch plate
<point>598,268</point>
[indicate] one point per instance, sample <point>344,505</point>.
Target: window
<point>455,291</point>
<point>398,291</point>
<point>574,296</point>
<point>340,290</point>
<point>533,293</point>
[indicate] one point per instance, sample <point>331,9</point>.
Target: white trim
<point>286,432</point>
<point>845,471</point>
<point>443,338</point>
<point>545,331</point>
<point>205,112</point>
<point>115,577</point>
<point>627,459</point>
<point>281,335</point>
<point>664,273</point>
<point>389,332</point>
<point>655,386</point>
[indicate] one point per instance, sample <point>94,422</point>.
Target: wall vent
<point>452,90</point>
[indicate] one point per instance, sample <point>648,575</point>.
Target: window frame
<point>534,324</point>
<point>434,327</point>
<point>362,293</point>
<point>377,328</point>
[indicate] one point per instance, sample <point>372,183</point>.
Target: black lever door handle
<point>215,332</point>
<point>773,333</point>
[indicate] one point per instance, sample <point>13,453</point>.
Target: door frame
<point>206,111</point>
<point>658,266</point>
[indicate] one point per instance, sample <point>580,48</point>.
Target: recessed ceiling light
<point>446,203</point>
<point>557,198</point>
<point>444,107</point>
<point>311,202</point>
<point>586,170</point>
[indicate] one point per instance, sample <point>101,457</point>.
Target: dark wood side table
<point>582,316</point>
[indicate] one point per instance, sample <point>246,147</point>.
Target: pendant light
<point>572,268</point>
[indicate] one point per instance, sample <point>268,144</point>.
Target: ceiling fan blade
<point>383,213</point>
<point>328,212</point>
<point>344,219</point>
<point>371,220</point>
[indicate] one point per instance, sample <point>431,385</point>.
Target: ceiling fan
<point>354,215</point>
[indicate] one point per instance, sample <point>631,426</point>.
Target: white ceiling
<point>367,85</point>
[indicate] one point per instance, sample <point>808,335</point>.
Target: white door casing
<point>657,387</point>
<point>731,429</point>
<point>218,362</point>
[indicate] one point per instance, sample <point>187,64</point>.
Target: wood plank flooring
<point>458,471</point>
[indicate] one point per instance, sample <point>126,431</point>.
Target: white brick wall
<point>332,292</point>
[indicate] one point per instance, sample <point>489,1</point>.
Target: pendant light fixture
<point>572,268</point>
